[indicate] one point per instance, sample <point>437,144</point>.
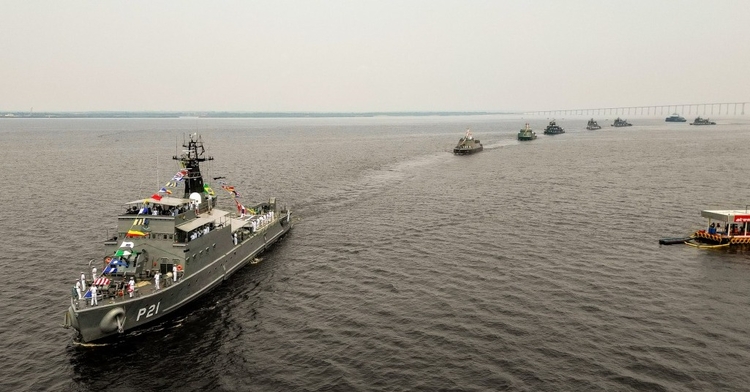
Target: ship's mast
<point>192,155</point>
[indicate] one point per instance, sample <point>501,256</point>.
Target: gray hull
<point>217,259</point>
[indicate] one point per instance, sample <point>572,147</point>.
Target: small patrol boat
<point>675,118</point>
<point>593,125</point>
<point>702,121</point>
<point>724,228</point>
<point>467,145</point>
<point>553,129</point>
<point>526,133</point>
<point>170,250</point>
<point>621,123</point>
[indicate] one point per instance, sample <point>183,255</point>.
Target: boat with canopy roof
<point>724,228</point>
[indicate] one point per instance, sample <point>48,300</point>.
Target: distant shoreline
<point>110,114</point>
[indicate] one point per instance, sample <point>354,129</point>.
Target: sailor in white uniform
<point>78,289</point>
<point>157,277</point>
<point>93,274</point>
<point>131,287</point>
<point>83,281</point>
<point>174,273</point>
<point>93,295</point>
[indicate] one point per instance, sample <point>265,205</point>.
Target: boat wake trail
<point>370,184</point>
<point>501,143</point>
<point>373,181</point>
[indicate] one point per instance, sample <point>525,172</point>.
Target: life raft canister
<point>110,322</point>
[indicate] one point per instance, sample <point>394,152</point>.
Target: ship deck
<point>114,289</point>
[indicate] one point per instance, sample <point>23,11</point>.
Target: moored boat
<point>723,228</point>
<point>593,125</point>
<point>621,123</point>
<point>526,133</point>
<point>553,129</point>
<point>170,250</point>
<point>702,121</point>
<point>467,144</point>
<point>675,118</point>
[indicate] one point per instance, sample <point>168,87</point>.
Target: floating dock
<point>673,241</point>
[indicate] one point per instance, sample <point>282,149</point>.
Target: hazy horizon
<point>370,56</point>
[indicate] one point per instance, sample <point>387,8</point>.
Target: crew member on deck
<point>157,276</point>
<point>93,295</point>
<point>174,273</point>
<point>78,289</point>
<point>83,281</point>
<point>93,274</point>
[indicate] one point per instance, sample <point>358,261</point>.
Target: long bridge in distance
<point>700,109</point>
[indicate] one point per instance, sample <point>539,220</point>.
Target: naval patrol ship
<point>467,145</point>
<point>170,250</point>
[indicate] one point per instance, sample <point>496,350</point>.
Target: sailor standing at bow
<point>131,287</point>
<point>83,281</point>
<point>93,274</point>
<point>156,280</point>
<point>78,289</point>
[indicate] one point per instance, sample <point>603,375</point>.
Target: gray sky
<point>355,55</point>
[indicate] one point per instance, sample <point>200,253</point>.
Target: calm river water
<point>529,266</point>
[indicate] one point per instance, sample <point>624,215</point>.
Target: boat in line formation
<point>702,121</point>
<point>170,250</point>
<point>593,125</point>
<point>621,123</point>
<point>698,120</point>
<point>469,145</point>
<point>673,118</point>
<point>724,227</point>
<point>526,133</point>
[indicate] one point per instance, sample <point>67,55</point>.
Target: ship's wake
<point>369,184</point>
<point>501,143</point>
<point>372,182</point>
